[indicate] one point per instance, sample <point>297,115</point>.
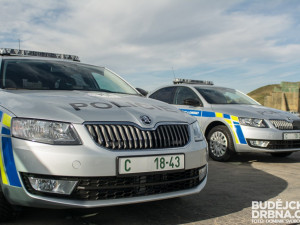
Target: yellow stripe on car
<point>3,174</point>
<point>233,122</point>
<point>220,115</point>
<point>6,120</point>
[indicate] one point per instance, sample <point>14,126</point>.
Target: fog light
<point>258,143</point>
<point>202,172</point>
<point>52,186</point>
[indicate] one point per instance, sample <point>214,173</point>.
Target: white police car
<point>232,121</point>
<point>76,135</point>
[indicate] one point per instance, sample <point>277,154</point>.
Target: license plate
<point>145,164</point>
<point>291,136</point>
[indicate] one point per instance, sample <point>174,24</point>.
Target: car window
<point>183,93</point>
<point>219,95</point>
<point>164,94</point>
<point>55,75</point>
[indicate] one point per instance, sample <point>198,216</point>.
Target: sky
<point>242,44</point>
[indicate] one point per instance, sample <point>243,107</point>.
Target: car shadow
<point>265,158</point>
<point>231,187</point>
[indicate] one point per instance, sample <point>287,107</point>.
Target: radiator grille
<point>282,124</point>
<point>119,137</point>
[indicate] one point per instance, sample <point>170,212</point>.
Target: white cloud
<point>138,35</point>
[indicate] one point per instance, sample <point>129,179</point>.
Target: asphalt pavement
<point>226,199</point>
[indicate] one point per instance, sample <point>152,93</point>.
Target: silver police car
<point>232,121</point>
<point>77,135</point>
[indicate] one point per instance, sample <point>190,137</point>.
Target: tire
<point>220,143</point>
<point>281,154</point>
<point>7,211</point>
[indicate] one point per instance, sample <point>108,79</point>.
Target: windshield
<point>55,75</point>
<point>218,95</point>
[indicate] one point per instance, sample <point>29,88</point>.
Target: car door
<point>188,101</point>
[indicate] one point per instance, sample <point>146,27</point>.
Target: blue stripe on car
<point>9,162</point>
<point>240,134</point>
<point>192,112</point>
<point>5,131</point>
<point>208,114</point>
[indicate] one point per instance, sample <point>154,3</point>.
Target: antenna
<point>19,44</point>
<point>173,72</point>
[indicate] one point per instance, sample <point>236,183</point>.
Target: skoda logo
<point>146,119</point>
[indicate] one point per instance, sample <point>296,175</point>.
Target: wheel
<point>220,143</point>
<point>281,154</point>
<point>7,211</point>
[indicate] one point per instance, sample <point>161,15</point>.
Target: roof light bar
<point>18,52</point>
<point>188,81</point>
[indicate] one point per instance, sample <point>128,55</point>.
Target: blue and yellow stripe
<point>8,168</point>
<point>232,121</point>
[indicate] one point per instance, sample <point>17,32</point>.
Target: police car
<point>77,135</point>
<point>232,121</point>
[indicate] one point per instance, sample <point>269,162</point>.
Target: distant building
<point>286,97</point>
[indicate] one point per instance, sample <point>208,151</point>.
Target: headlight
<point>252,122</point>
<point>48,132</point>
<point>197,132</point>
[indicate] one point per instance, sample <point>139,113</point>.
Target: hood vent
<point>130,137</point>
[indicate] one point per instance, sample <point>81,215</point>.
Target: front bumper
<point>92,162</point>
<point>19,196</point>
<point>272,135</point>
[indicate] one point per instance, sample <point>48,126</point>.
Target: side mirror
<point>192,102</point>
<point>142,91</point>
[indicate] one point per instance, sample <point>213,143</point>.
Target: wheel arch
<point>212,125</point>
<point>217,123</point>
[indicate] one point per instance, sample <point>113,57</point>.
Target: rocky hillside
<point>260,93</point>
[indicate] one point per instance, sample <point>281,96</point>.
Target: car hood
<point>83,106</point>
<point>254,111</point>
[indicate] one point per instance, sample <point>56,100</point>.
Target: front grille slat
<point>162,137</point>
<point>165,128</point>
<point>157,139</point>
<point>99,135</point>
<point>134,137</point>
<point>175,128</point>
<point>146,139</point>
<point>186,133</point>
<point>112,139</point>
<point>149,138</point>
<point>106,136</point>
<point>118,138</point>
<point>173,135</point>
<point>182,133</point>
<point>140,138</point>
<point>126,137</point>
<point>179,134</point>
<point>129,137</point>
